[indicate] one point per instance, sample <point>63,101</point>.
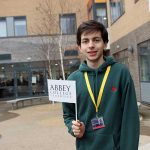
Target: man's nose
<point>91,43</point>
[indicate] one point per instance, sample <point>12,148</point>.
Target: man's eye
<point>84,42</point>
<point>97,40</point>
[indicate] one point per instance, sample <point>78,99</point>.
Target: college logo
<point>114,89</point>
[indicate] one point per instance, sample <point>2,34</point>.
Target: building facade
<point>128,24</point>
<point>130,41</point>
<point>33,34</point>
<point>97,10</point>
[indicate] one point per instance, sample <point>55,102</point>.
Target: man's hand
<point>78,128</point>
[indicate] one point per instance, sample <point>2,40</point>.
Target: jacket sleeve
<point>69,115</point>
<point>129,138</point>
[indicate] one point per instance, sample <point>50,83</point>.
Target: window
<point>5,56</point>
<point>71,53</point>
<point>20,26</point>
<point>12,26</point>
<point>101,13</point>
<point>6,81</point>
<point>122,57</point>
<point>144,61</point>
<point>101,16</point>
<point>3,31</point>
<point>117,9</point>
<point>68,23</point>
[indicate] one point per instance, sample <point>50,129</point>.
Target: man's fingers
<point>78,128</point>
<point>76,132</point>
<point>75,127</point>
<point>76,123</point>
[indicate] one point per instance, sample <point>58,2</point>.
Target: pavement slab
<point>36,128</point>
<point>41,127</point>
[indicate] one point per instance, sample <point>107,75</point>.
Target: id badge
<point>97,123</point>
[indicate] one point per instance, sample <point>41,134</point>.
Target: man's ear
<point>79,48</point>
<point>105,45</point>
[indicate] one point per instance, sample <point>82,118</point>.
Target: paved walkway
<point>41,127</point>
<point>145,128</point>
<point>38,127</point>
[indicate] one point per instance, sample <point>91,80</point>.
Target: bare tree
<point>48,49</point>
<point>49,25</point>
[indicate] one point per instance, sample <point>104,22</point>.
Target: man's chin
<point>94,59</point>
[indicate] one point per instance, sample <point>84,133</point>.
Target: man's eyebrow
<point>92,38</point>
<point>84,38</point>
<point>97,37</point>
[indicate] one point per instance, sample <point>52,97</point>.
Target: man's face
<point>92,46</point>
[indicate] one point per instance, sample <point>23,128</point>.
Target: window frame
<point>73,15</point>
<point>71,52</point>
<point>101,6</point>
<point>9,24</point>
<point>147,44</point>
<point>4,57</point>
<point>123,57</point>
<point>20,18</point>
<point>121,8</point>
<point>4,19</point>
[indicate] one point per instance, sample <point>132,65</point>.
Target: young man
<point>106,102</point>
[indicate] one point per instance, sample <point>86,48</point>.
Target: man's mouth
<point>92,53</point>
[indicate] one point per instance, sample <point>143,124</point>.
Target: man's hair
<point>89,27</point>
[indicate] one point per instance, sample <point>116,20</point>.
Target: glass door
<point>23,89</point>
<point>7,90</point>
<point>38,80</point>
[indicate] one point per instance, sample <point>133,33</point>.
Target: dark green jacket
<point>118,108</point>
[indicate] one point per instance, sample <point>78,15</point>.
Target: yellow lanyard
<point>101,88</point>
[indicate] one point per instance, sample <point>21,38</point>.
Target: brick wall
<point>136,14</point>
<point>22,48</point>
<point>28,8</point>
<point>133,38</point>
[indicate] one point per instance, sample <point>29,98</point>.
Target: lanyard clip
<point>96,114</point>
